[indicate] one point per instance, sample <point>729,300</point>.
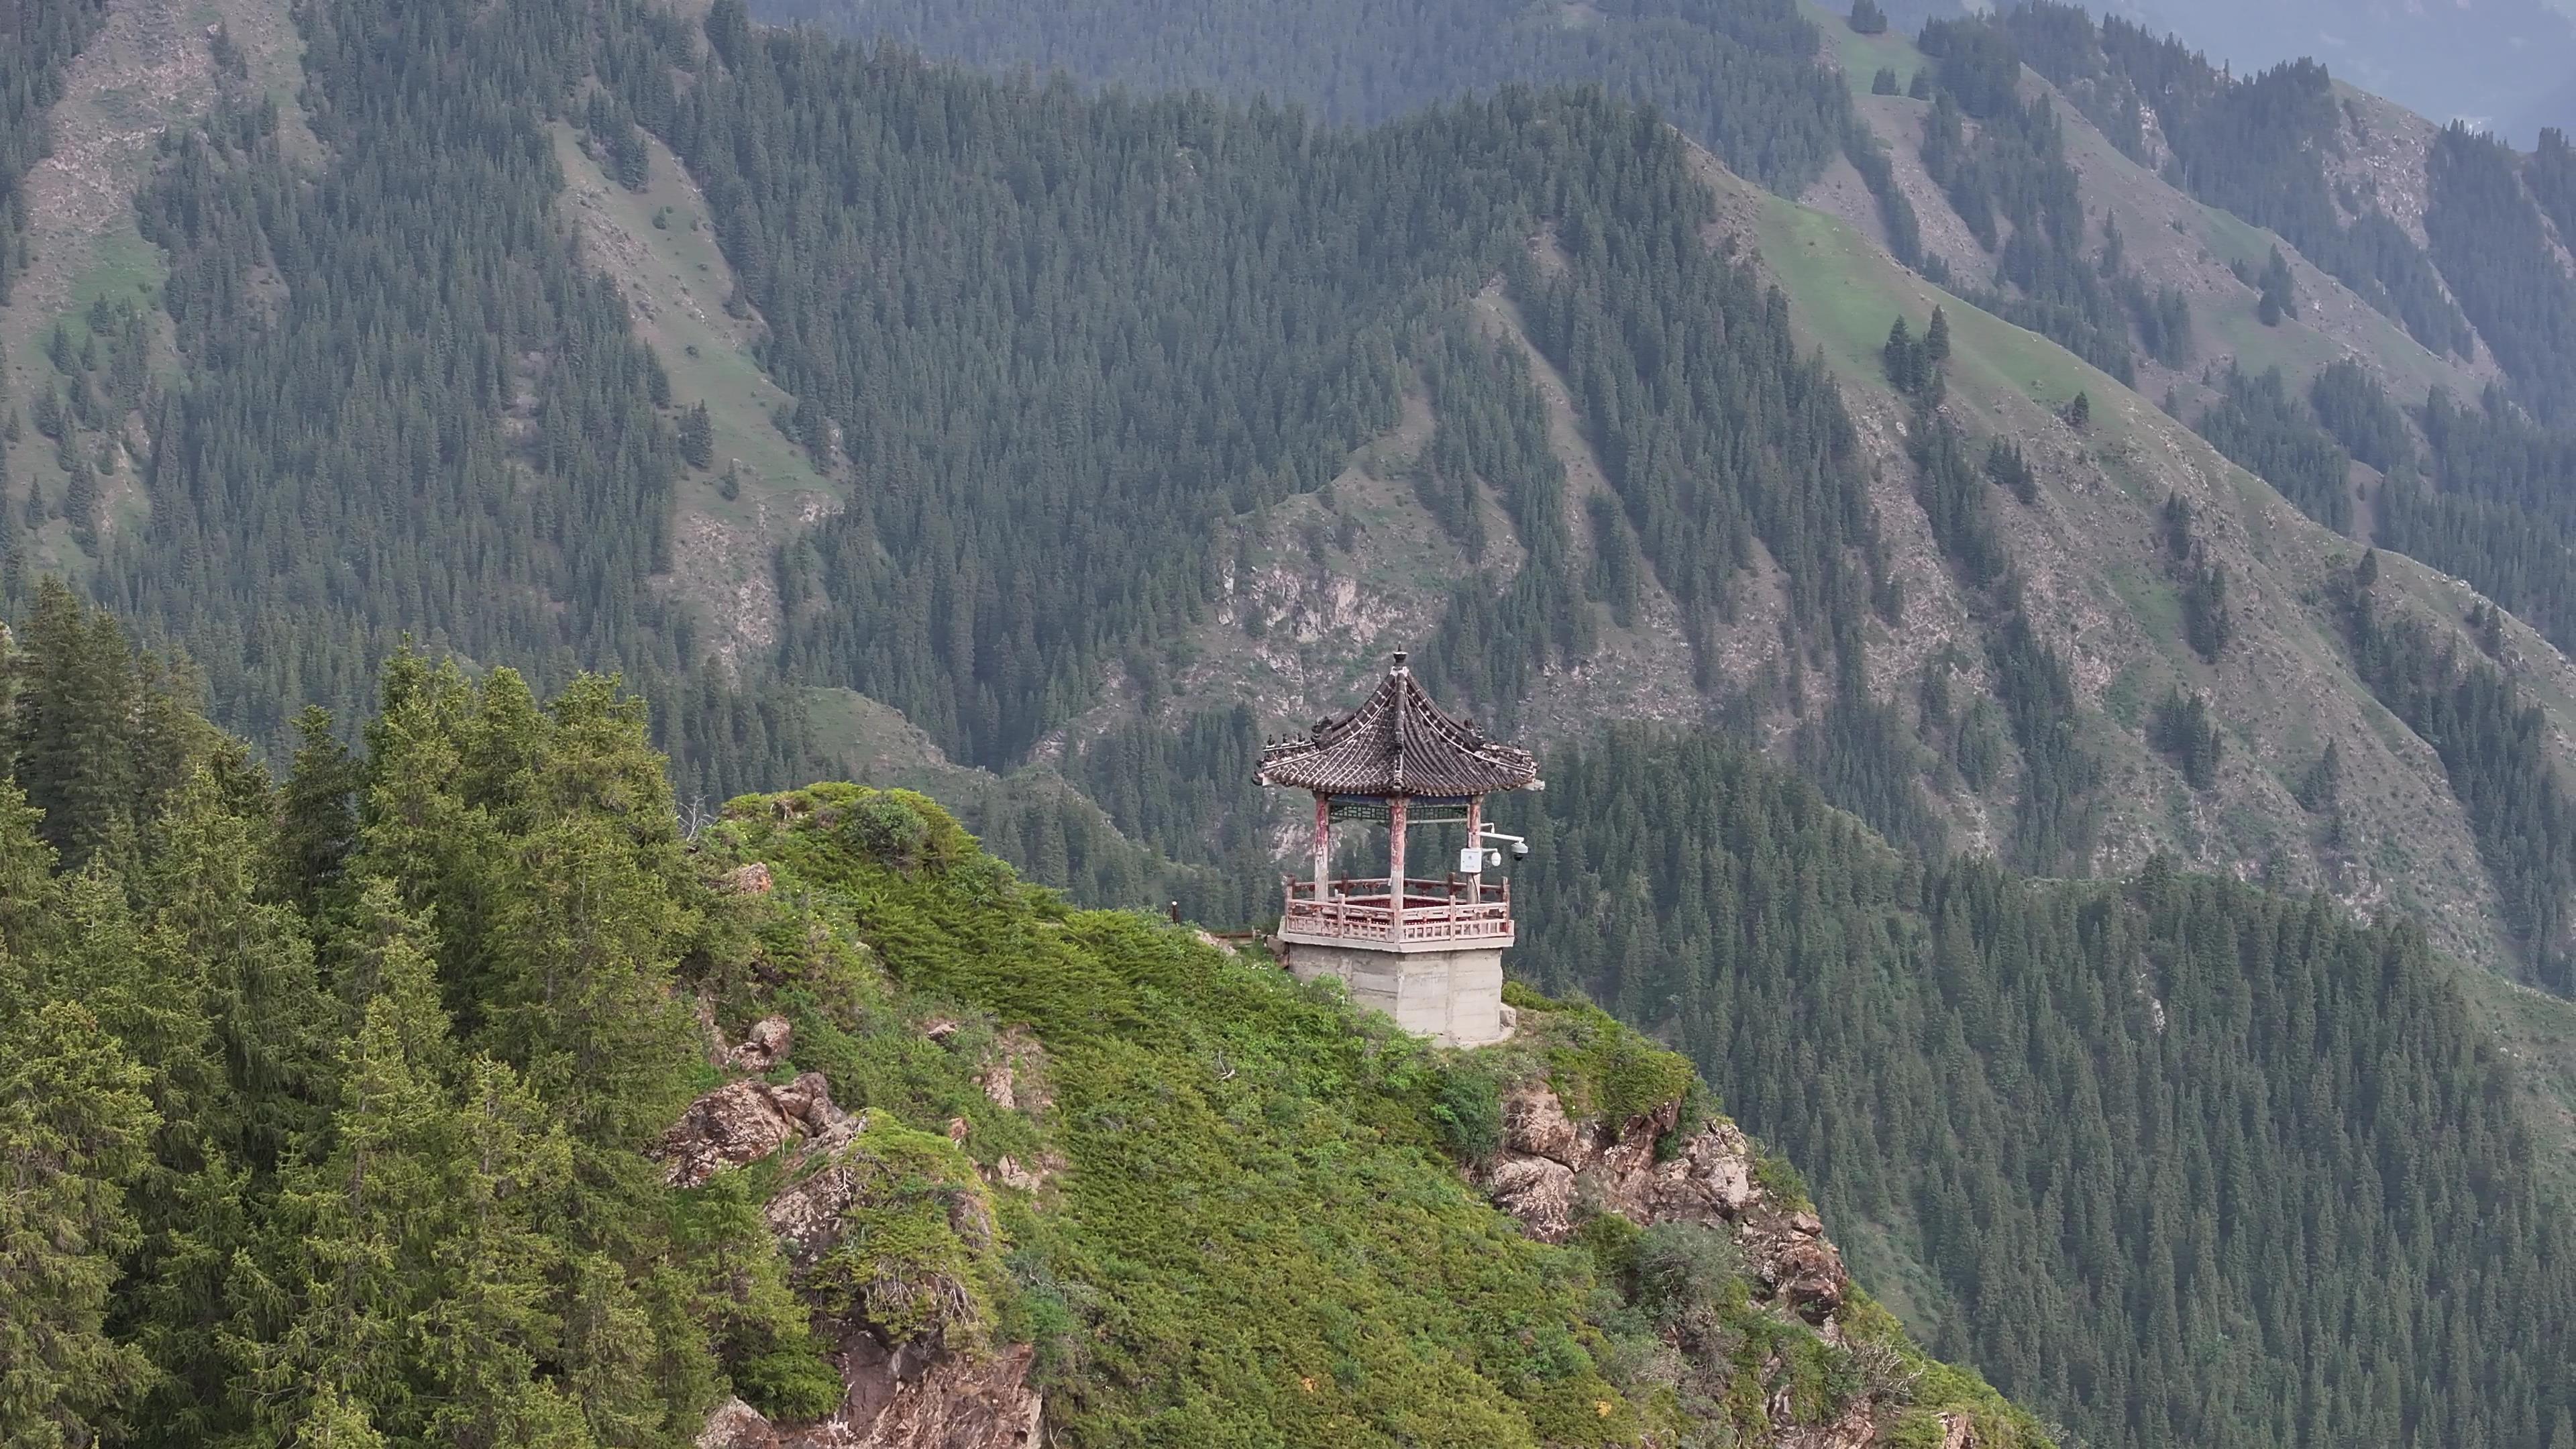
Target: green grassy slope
<point>2170,238</point>
<point>2098,584</point>
<point>659,246</point>
<point>1258,1235</point>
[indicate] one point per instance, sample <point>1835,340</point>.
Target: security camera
<point>1520,850</point>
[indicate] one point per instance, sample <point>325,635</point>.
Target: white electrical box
<point>1471,860</point>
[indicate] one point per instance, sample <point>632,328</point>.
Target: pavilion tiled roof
<point>1397,743</point>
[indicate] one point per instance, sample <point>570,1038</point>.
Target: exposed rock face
<point>764,1046</point>
<point>746,880</point>
<point>910,1396</point>
<point>903,1400</point>
<point>744,1122</point>
<point>1550,1163</point>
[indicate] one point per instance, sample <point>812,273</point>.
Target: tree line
<point>2098,1117</point>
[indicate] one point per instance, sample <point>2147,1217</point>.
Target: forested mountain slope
<point>443,1093</point>
<point>1470,399</point>
<point>2119,1113</point>
<point>1737,73</point>
<point>2062,207</point>
<point>1055,447</point>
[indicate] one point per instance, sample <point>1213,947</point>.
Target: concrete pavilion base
<point>1453,996</point>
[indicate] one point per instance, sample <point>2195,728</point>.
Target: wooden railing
<point>1456,909</point>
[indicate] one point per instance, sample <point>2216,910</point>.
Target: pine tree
<point>2182,731</point>
<point>2320,789</point>
<point>80,502</point>
<point>372,1216</point>
<point>2207,622</point>
<point>317,823</point>
<point>698,437</point>
<point>74,1125</point>
<point>1867,18</point>
<point>2279,289</point>
<point>73,677</point>
<point>483,1335</point>
<point>26,868</point>
<point>1903,358</point>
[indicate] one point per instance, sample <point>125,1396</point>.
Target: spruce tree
<point>317,823</point>
<point>1903,358</point>
<point>74,1127</point>
<point>698,437</point>
<point>371,1218</point>
<point>2279,289</point>
<point>74,690</point>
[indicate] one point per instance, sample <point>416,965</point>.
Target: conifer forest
<point>639,642</point>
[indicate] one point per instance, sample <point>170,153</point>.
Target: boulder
<point>741,1123</point>
<point>997,1082</point>
<point>918,1395</point>
<point>736,1425</point>
<point>1537,1190</point>
<point>764,1046</point>
<point>1535,1124</point>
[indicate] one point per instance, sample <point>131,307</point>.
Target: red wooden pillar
<point>1323,841</point>
<point>1395,863</point>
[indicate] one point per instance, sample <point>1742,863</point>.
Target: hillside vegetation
<point>2094,1123</point>
<point>1473,403</point>
<point>356,1109</point>
<point>2074,488</point>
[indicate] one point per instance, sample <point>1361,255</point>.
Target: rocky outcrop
<point>916,1395</point>
<point>1555,1170</point>
<point>763,1047</point>
<point>1552,1168</point>
<point>903,1400</point>
<point>741,1123</point>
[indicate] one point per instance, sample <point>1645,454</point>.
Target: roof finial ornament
<point>1398,666</point>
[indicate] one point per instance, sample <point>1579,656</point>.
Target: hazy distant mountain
<point>2505,64</point>
<point>2500,63</point>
